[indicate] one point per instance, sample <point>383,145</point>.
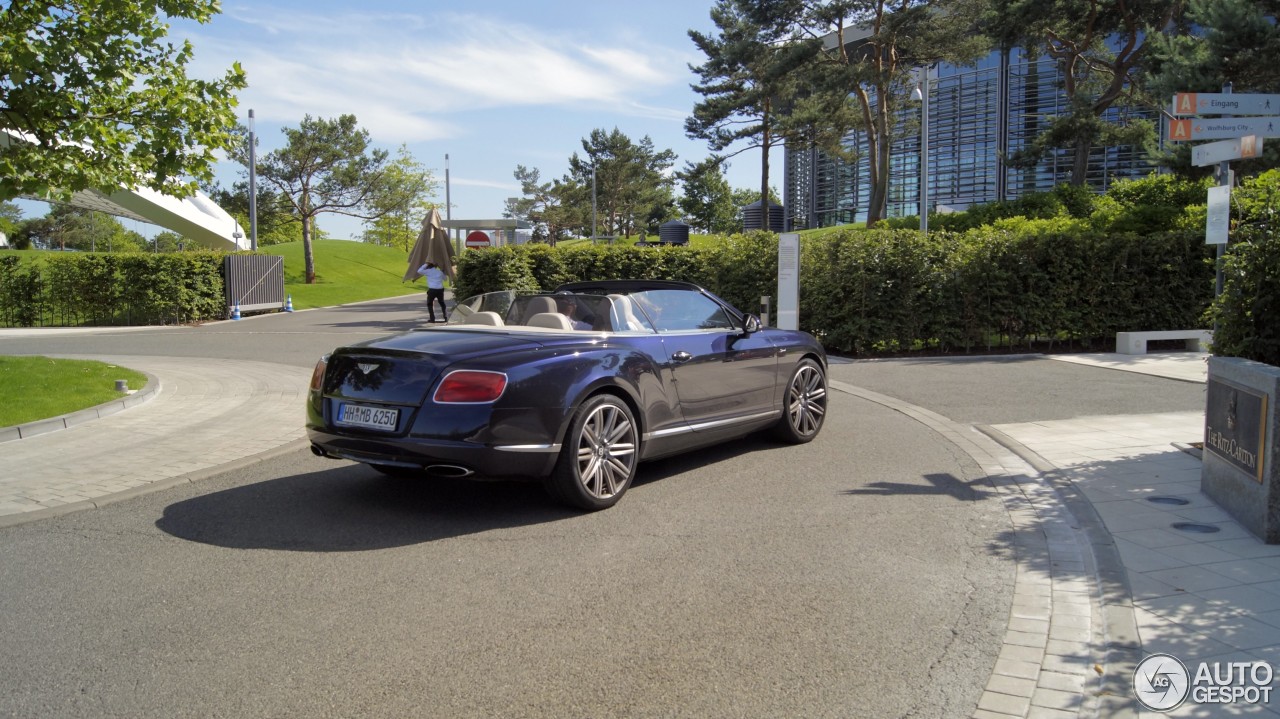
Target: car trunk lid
<point>402,369</point>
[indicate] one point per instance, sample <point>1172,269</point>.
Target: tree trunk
<point>306,250</point>
<point>1080,161</point>
<point>879,142</point>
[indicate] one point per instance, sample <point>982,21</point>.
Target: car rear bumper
<point>444,458</point>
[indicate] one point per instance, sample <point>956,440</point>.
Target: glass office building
<point>977,115</point>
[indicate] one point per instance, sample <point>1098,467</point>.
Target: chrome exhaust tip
<point>315,449</point>
<point>449,470</point>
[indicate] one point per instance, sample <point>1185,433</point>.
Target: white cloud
<point>404,75</point>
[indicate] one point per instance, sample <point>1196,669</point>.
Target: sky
<point>491,83</point>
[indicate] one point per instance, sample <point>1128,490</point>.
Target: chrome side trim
<point>702,426</point>
<point>736,420</point>
<point>669,432</point>
<point>527,447</point>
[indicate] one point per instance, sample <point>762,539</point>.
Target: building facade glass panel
<point>977,116</point>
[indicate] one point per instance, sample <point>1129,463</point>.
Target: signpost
<point>788,281</point>
<point>1212,153</point>
<point>1242,139</point>
<point>1219,216</point>
<point>476,239</point>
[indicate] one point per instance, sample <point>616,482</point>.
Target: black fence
<point>253,282</point>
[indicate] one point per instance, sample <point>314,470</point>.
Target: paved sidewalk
<point>204,415</point>
<point>1206,593</point>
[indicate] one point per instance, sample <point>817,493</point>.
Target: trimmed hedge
<point>878,291</point>
<point>79,289</point>
<point>1248,311</point>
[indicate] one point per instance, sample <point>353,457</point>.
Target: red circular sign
<point>477,239</point>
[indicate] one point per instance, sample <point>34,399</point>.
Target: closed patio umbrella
<point>432,246</point>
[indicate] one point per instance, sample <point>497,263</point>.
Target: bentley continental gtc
<point>574,387</point>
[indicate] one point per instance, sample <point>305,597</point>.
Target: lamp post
<point>593,203</point>
<point>448,206</point>
<point>253,188</point>
<point>921,94</point>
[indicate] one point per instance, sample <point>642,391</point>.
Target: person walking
<point>435,290</point>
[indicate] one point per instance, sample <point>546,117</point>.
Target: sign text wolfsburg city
<point>1235,426</point>
<point>1221,128</point>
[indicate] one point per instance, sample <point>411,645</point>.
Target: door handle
<point>681,356</point>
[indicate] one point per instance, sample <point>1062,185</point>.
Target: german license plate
<point>359,415</point>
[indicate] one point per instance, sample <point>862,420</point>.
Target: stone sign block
<point>1239,472</point>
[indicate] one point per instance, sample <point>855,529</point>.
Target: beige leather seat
<point>483,318</point>
<point>537,306</point>
<point>554,320</point>
<point>623,315</point>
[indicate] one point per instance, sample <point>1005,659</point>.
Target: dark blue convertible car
<point>575,387</point>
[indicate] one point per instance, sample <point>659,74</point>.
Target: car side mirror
<point>751,325</point>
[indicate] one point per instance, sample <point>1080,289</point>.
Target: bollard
<point>122,385</point>
<point>288,305</point>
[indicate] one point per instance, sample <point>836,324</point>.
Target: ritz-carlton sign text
<point>1235,426</point>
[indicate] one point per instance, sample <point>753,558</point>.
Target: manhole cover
<point>1168,500</point>
<point>1197,528</point>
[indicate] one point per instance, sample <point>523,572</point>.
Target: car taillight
<point>317,374</point>
<point>470,387</point>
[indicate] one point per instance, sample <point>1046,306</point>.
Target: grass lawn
<point>345,272</point>
<point>34,388</point>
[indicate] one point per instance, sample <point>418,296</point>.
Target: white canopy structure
<point>196,218</point>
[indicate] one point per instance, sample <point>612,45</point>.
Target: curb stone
<point>71,419</point>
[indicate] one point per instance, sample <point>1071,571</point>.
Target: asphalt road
<point>864,574</point>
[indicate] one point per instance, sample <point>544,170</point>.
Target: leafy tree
<point>10,216</point>
<point>538,204</point>
<point>630,180</point>
<point>707,202</point>
<point>1217,42</point>
<point>106,99</point>
<point>571,209</point>
<point>276,222</point>
<point>327,166</point>
<point>860,79</point>
<point>1100,48</point>
<point>743,196</point>
<point>74,228</point>
<point>746,81</point>
<point>402,204</point>
<point>168,242</point>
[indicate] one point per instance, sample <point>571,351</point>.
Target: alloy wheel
<point>807,401</point>
<point>606,451</point>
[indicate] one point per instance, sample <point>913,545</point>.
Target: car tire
<point>599,455</point>
<point>805,404</point>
